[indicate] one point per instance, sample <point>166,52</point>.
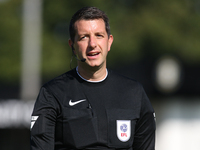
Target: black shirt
<point>71,113</point>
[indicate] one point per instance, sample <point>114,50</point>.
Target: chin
<point>96,63</point>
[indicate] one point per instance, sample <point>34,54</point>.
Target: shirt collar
<point>89,80</point>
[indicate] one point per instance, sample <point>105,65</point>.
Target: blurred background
<point>155,42</point>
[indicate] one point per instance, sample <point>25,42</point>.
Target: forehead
<point>90,25</point>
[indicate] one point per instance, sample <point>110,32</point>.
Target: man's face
<point>92,42</point>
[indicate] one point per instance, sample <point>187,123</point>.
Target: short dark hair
<point>88,13</point>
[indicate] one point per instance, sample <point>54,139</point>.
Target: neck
<point>93,74</point>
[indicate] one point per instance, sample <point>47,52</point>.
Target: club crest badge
<point>123,130</point>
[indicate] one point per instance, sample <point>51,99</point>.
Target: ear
<point>110,41</point>
<point>71,45</point>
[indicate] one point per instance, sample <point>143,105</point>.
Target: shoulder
<point>65,77</point>
<point>62,81</point>
<point>123,80</point>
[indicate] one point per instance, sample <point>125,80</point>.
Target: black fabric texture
<point>91,123</point>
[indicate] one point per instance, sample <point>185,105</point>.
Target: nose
<point>92,42</point>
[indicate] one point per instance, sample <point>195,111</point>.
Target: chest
<point>99,115</point>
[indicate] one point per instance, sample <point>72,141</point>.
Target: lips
<point>93,54</point>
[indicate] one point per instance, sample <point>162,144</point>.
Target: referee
<point>91,107</point>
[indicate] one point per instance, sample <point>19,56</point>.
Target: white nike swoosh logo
<point>74,103</point>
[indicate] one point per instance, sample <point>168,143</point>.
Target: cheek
<point>80,47</point>
<point>104,45</point>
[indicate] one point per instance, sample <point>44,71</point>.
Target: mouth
<point>93,54</point>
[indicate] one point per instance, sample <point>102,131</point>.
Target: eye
<point>100,35</point>
<point>82,37</point>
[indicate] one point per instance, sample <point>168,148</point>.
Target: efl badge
<point>123,130</point>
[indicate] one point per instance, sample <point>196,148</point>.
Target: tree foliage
<point>140,28</point>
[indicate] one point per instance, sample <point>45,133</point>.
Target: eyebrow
<point>101,32</point>
<point>98,32</point>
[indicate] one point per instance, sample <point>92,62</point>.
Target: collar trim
<point>89,80</point>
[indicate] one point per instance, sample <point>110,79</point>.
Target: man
<point>91,107</point>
